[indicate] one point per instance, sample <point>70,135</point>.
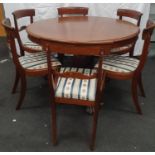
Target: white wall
<point>152,16</point>
<point>49,10</point>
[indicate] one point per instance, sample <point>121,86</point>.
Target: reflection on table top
<point>79,29</point>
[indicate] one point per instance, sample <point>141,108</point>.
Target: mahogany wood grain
<point>130,13</point>
<point>82,30</point>
<point>24,13</point>
<point>72,11</point>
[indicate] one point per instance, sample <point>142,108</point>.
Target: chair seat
<point>32,46</point>
<point>120,49</point>
<point>37,60</point>
<point>76,88</point>
<point>119,64</point>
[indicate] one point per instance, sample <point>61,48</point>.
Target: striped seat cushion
<point>76,88</point>
<point>117,63</point>
<point>37,61</point>
<point>119,49</point>
<point>32,45</point>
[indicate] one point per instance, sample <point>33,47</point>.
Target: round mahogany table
<point>79,30</point>
<point>82,29</point>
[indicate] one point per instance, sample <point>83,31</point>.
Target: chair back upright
<point>11,37</point>
<point>72,11</point>
<point>131,14</point>
<point>146,36</point>
<point>19,14</point>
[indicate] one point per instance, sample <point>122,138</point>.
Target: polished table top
<point>82,29</point>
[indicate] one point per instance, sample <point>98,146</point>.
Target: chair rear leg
<point>54,124</point>
<point>135,95</point>
<point>22,92</point>
<point>95,120</point>
<point>140,83</point>
<point>15,82</point>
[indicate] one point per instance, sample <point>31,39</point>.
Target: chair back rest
<point>146,36</point>
<point>80,50</point>
<point>130,13</point>
<point>11,36</point>
<point>72,11</point>
<point>19,14</point>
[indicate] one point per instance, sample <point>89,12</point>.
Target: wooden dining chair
<point>28,46</point>
<point>127,68</point>
<point>72,11</point>
<point>31,64</point>
<point>132,14</point>
<point>76,86</point>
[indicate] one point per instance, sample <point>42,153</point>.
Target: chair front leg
<point>17,77</point>
<point>22,91</point>
<point>140,84</point>
<point>95,120</point>
<point>135,95</point>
